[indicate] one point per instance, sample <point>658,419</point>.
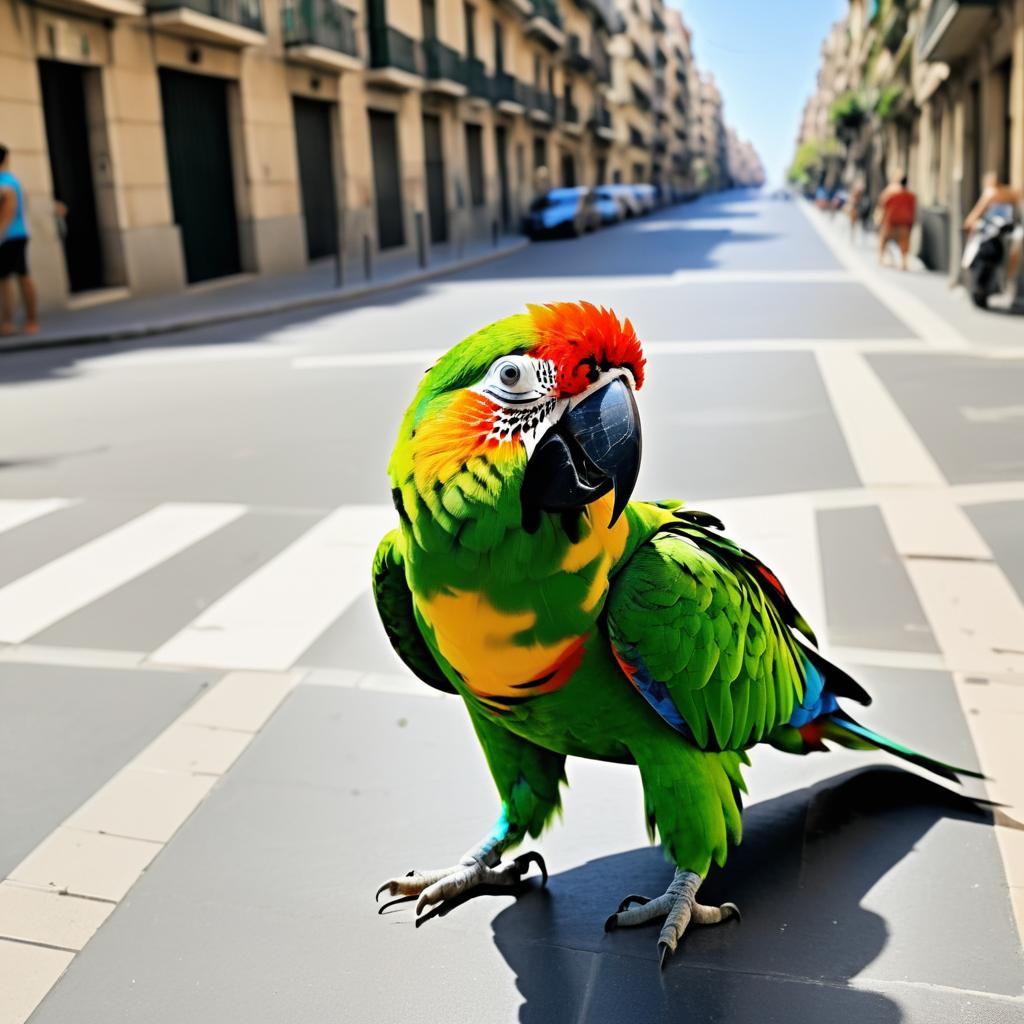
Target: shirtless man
<point>995,194</point>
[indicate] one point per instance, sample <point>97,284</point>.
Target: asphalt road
<point>207,743</point>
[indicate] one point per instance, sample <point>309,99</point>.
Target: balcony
<point>396,60</point>
<point>640,55</point>
<point>235,23</point>
<point>641,97</point>
<point>636,138</point>
<point>569,115</point>
<point>540,103</point>
<point>576,57</point>
<point>445,69</point>
<point>320,34</point>
<point>545,24</point>
<point>895,29</point>
<point>479,85</point>
<point>509,95</point>
<point>951,30</point>
<point>600,123</point>
<point>104,9</point>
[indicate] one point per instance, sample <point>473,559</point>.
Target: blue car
<point>562,211</point>
<point>610,206</point>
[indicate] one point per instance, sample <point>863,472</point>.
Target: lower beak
<point>593,449</point>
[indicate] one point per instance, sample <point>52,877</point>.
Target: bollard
<point>367,258</point>
<point>421,239</point>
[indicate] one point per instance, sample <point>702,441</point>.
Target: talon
<point>612,923</point>
<point>376,895</point>
<point>524,860</point>
<point>731,910</point>
<point>633,898</point>
<point>664,952</point>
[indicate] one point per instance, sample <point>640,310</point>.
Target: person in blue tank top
<point>14,252</point>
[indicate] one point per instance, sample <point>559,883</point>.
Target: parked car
<point>562,211</point>
<point>628,197</point>
<point>646,196</point>
<point>610,205</point>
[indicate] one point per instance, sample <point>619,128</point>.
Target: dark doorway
<point>386,179</point>
<point>67,137</point>
<point>433,159</point>
<point>568,170</point>
<point>501,142</point>
<point>199,162</point>
<point>316,176</point>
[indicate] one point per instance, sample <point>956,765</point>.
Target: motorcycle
<point>987,253</point>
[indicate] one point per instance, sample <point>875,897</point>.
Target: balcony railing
<point>442,62</point>
<point>636,138</point>
<point>507,89</point>
<point>600,119</point>
<point>640,55</point>
<point>390,48</point>
<point>319,23</point>
<point>570,113</point>
<point>247,13</point>
<point>548,10</point>
<point>640,97</point>
<point>575,56</point>
<point>540,101</point>
<point>476,80</point>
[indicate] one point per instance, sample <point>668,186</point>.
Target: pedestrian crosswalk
<point>265,620</point>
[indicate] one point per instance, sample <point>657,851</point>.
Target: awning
<point>953,28</point>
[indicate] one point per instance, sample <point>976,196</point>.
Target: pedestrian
<point>855,208</point>
<point>994,195</point>
<point>13,252</point>
<point>897,208</point>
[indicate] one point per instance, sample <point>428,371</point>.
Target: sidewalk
<point>952,304</point>
<point>248,295</point>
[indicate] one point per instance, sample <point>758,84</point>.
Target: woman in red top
<point>898,207</point>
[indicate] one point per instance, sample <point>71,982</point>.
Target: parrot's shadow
<point>807,860</point>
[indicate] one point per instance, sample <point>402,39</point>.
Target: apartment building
<point>192,140</point>
<point>933,89</point>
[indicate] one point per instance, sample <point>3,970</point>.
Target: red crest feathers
<point>582,340</point>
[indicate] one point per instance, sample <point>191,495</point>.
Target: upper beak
<point>593,449</point>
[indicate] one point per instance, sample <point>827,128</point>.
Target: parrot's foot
<point>678,906</point>
<point>473,870</point>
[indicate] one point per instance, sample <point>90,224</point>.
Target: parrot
<point>574,621</point>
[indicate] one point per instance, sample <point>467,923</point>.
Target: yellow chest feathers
<point>529,649</point>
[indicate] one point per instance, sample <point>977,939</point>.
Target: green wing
<point>703,630</point>
<point>394,605</point>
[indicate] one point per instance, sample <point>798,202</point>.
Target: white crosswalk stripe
<point>269,619</point>
<point>34,602</point>
<point>18,511</point>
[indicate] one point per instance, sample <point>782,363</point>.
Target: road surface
<point>208,747</point>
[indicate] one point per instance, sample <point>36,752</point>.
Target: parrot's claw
<point>446,883</point>
<point>678,905</point>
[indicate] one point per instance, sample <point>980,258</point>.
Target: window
<point>551,81</point>
<point>499,48</point>
<point>540,152</point>
<point>475,163</point>
<point>536,72</point>
<point>469,12</point>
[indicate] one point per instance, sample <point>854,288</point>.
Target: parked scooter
<point>987,254</point>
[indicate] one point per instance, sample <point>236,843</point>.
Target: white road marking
<point>43,597</point>
<point>345,360</point>
<point>873,657</point>
<point>904,305</point>
<point>884,448</point>
<point>65,888</point>
<point>17,511</point>
<point>992,414</point>
<point>974,612</point>
<point>191,354</point>
<point>267,621</point>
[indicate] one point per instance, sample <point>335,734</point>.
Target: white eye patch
<point>518,380</point>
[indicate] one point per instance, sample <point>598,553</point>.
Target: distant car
<point>609,205</point>
<point>628,197</point>
<point>562,211</point>
<point>646,196</point>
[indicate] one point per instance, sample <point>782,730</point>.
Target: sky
<point>765,58</point>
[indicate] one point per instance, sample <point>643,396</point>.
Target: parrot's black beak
<point>593,449</point>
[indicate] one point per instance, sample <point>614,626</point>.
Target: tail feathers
<point>842,729</point>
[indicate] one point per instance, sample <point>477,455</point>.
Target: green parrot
<point>573,621</point>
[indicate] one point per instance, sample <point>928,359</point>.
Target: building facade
<point>933,89</point>
<point>192,140</point>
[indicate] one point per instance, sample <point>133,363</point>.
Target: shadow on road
<point>807,861</point>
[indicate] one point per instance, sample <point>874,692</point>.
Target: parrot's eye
<point>509,374</point>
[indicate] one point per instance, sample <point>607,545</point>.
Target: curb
<point>331,298</point>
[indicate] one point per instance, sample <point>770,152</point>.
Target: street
<point>210,758</point>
